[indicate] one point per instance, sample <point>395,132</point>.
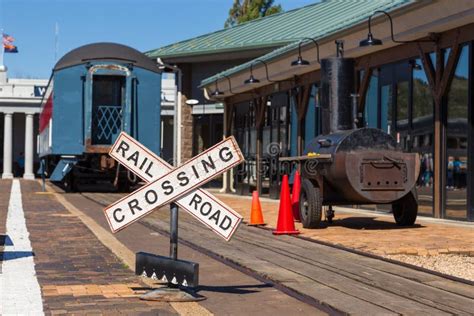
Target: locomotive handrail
<point>323,157</point>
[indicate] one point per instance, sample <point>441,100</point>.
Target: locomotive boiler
<point>346,165</point>
<point>95,92</point>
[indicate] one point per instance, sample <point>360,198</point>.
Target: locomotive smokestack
<point>337,85</point>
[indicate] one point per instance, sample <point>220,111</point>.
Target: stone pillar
<point>7,146</point>
<point>29,175</point>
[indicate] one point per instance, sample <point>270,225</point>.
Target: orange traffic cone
<point>286,223</point>
<point>256,216</point>
<point>295,196</point>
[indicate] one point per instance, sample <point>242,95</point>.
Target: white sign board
<point>167,185</point>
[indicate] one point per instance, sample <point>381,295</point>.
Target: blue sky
<point>142,24</point>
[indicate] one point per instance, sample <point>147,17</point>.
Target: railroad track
<point>323,275</point>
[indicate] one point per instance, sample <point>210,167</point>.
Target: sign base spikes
<point>174,281</point>
<point>178,271</point>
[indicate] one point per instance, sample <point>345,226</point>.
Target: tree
<point>246,10</point>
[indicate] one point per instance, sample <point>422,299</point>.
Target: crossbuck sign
<point>166,185</point>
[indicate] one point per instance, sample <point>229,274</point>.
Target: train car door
<point>109,106</point>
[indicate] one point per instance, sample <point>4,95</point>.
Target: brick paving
<point>375,233</point>
<point>228,291</point>
<point>5,186</point>
<point>78,274</point>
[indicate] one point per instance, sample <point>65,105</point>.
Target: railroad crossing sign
<point>178,185</point>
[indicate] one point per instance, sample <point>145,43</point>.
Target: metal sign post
<point>179,187</point>
<point>174,231</point>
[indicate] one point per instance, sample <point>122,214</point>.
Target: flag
<point>8,38</point>
<point>8,44</point>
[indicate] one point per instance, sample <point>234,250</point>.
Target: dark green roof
<point>280,29</point>
<point>316,21</point>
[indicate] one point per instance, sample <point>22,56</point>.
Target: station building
<point>201,125</point>
<point>19,107</point>
<point>416,85</point>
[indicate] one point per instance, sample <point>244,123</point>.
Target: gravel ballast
<point>460,266</point>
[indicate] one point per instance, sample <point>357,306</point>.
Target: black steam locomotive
<point>365,165</point>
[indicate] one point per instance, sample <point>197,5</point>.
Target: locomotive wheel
<point>405,210</point>
<point>310,205</point>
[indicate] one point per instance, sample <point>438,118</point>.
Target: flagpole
<point>2,49</point>
<point>56,41</point>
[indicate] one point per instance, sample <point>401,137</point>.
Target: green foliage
<point>422,98</point>
<point>246,10</point>
<point>458,98</point>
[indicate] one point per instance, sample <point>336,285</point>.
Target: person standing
<point>20,164</point>
<point>457,172</point>
<point>450,173</point>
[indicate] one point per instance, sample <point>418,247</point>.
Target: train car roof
<point>106,51</point>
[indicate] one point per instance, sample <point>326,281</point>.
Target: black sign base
<point>168,294</point>
<point>176,273</point>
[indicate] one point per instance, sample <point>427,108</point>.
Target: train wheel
<point>68,182</point>
<point>310,205</point>
<point>405,210</point>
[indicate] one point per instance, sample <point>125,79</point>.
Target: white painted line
<point>20,293</point>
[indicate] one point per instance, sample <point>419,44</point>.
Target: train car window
<point>108,94</point>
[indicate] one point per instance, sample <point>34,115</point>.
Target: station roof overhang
<point>260,36</point>
<point>412,21</point>
<point>221,55</point>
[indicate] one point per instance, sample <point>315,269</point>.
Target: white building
<point>19,105</point>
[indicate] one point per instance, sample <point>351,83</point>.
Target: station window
<point>457,127</point>
<point>399,102</point>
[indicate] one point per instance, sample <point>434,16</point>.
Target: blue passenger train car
<point>96,91</point>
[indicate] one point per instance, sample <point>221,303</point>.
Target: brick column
<point>186,131</point>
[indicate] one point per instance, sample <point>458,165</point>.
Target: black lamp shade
<point>300,62</point>
<point>251,80</point>
<point>370,41</point>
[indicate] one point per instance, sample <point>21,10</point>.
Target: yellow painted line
<point>125,254</point>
